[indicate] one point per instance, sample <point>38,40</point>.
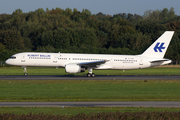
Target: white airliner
<point>76,63</point>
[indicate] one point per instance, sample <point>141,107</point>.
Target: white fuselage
<point>61,59</point>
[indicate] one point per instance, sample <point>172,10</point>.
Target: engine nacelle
<point>74,68</point>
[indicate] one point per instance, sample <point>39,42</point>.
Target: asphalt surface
<point>98,77</point>
<point>91,104</point>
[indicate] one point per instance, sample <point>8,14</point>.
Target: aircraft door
<point>141,61</point>
<point>112,61</point>
<point>55,59</point>
<point>23,58</point>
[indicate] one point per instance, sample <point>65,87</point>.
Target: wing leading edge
<point>92,64</point>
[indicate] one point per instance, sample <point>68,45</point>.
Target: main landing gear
<point>25,70</point>
<point>90,74</point>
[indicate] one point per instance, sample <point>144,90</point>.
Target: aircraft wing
<point>158,60</point>
<point>92,64</point>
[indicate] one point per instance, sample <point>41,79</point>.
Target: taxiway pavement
<point>91,104</point>
<point>98,77</point>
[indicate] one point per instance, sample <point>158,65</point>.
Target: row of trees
<point>82,32</point>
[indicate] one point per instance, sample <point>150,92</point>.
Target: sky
<point>110,7</point>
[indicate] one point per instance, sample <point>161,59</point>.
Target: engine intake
<point>74,68</point>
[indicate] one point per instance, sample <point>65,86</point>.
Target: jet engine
<point>74,68</point>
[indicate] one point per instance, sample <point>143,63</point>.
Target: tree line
<point>82,32</point>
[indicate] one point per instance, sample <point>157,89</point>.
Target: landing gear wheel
<point>92,75</point>
<point>88,75</point>
<point>25,74</point>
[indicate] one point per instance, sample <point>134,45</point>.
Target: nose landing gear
<point>25,70</point>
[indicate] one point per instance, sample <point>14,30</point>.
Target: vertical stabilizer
<point>159,47</point>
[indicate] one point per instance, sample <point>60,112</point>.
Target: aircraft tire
<point>92,75</point>
<point>88,75</point>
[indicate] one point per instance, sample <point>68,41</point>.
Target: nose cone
<point>8,62</point>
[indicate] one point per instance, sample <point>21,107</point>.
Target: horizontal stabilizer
<point>160,60</point>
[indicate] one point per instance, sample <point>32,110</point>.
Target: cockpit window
<point>12,57</point>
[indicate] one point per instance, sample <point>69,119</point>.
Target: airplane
<point>76,63</point>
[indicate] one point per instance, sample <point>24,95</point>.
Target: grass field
<point>61,71</point>
<point>90,90</point>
